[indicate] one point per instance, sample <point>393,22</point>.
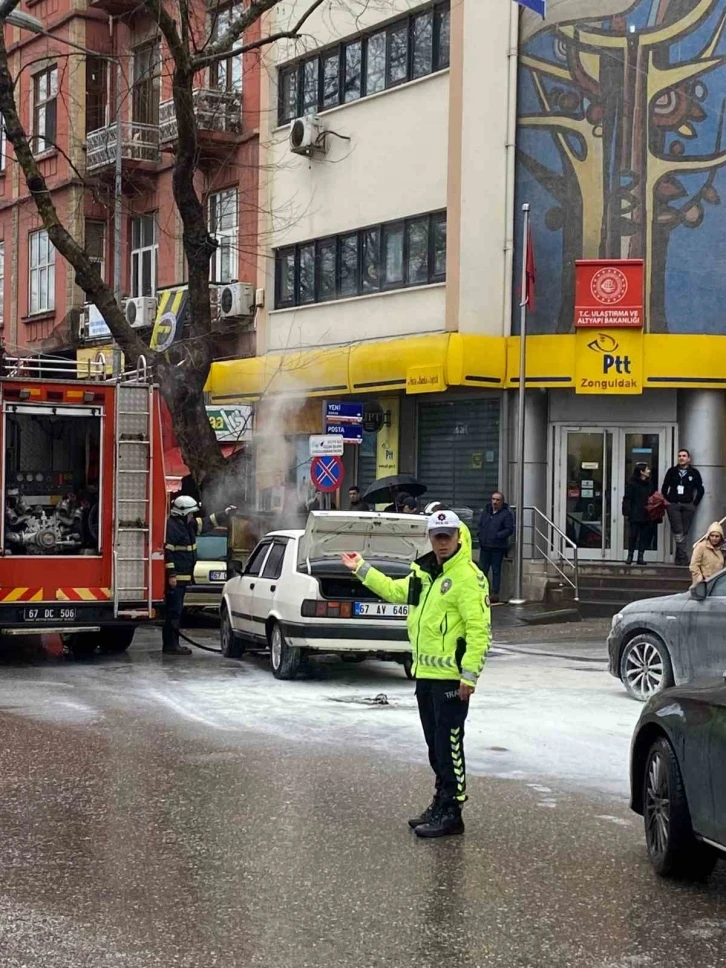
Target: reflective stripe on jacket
<point>450,626</point>
<point>180,548</point>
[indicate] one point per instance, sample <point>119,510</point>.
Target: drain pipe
<point>511,159</point>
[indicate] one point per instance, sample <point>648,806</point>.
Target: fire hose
<point>197,645</point>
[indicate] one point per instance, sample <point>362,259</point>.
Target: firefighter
<point>180,552</point>
<point>449,628</point>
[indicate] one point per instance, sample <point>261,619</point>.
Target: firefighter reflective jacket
<point>449,619</point>
<point>180,549</point>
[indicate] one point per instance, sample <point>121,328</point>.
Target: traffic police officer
<point>449,625</point>
<point>180,552</point>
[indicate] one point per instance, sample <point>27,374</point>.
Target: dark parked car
<point>658,642</point>
<point>678,780</point>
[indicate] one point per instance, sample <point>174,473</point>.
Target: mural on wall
<point>622,154</point>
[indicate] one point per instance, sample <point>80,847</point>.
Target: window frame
<point>100,90</point>
<point>295,106</point>
<point>37,270</point>
<point>48,105</point>
<point>101,263</point>
<point>148,79</point>
<point>232,85</point>
<point>277,573</point>
<point>220,235</point>
<point>2,282</point>
<point>3,146</point>
<point>262,551</point>
<point>290,256</point>
<point>139,253</point>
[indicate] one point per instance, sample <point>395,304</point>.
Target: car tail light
<point>316,609</point>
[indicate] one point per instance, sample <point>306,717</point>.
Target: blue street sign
<point>326,473</point>
<point>345,412</point>
<point>352,433</point>
<point>539,6</point>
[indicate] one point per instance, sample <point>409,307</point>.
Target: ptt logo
<point>606,346</point>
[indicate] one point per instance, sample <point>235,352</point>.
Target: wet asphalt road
<point>138,830</point>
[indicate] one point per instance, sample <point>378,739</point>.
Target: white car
<point>295,596</point>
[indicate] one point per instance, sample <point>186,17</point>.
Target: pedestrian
<point>180,552</point>
<point>408,505</point>
<point>635,509</point>
<point>496,527</point>
<point>449,623</point>
<point>398,494</point>
<point>354,498</point>
<point>708,555</point>
<point>683,489</point>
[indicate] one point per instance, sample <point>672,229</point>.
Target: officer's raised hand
<point>351,560</point>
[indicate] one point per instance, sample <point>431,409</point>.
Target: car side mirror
<point>699,591</point>
<point>236,567</point>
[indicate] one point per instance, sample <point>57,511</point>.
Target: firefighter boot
<point>446,822</point>
<point>173,646</point>
<point>426,817</point>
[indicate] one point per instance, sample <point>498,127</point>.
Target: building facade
<point>75,106</point>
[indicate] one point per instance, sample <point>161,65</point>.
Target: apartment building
<point>75,106</point>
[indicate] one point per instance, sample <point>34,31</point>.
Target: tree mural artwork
<point>621,125</point>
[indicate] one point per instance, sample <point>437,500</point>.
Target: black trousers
<point>174,601</point>
<point>492,558</point>
<point>442,716</point>
<point>639,537</point>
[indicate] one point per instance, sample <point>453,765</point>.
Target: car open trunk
<point>389,542</point>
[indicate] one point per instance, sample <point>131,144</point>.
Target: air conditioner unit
<point>236,300</point>
<point>307,135</point>
<point>140,311</point>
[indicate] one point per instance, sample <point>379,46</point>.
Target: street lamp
<point>18,18</point>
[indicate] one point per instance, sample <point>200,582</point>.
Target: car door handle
<point>252,585</point>
<point>273,588</point>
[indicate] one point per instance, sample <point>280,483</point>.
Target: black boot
<point>446,822</point>
<point>629,560</point>
<point>176,650</point>
<point>426,817</point>
<point>641,559</point>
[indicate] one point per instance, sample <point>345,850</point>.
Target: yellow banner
<point>609,361</point>
<point>387,439</point>
<point>171,315</point>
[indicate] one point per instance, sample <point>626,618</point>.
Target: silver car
<point>660,642</point>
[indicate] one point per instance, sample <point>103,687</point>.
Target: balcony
<point>218,113</point>
<point>139,146</point>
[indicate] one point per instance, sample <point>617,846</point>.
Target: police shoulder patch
<point>445,585</point>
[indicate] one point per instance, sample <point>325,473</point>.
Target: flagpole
<point>519,522</point>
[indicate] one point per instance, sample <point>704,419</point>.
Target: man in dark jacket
<point>683,489</point>
<point>495,529</point>
<point>180,553</point>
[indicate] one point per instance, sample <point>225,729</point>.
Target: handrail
<point>543,527</point>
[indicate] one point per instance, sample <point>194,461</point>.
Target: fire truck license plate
<point>50,613</point>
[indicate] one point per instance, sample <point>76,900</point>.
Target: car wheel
<point>117,640</point>
<point>408,666</point>
<point>672,849</point>
<point>230,644</point>
<point>645,667</point>
<point>82,645</point>
<point>284,660</point>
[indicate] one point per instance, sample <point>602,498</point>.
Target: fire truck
<point>83,502</point>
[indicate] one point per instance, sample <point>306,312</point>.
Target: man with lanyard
<point>449,630</point>
<point>180,553</point>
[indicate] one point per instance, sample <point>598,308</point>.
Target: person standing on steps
<point>635,508</point>
<point>708,555</point>
<point>496,527</point>
<point>449,626</point>
<point>183,526</point>
<point>683,489</point>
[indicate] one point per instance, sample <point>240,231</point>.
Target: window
<point>225,75</point>
<point>257,559</point>
<point>273,565</point>
<point>3,144</point>
<point>408,252</point>
<point>410,47</point>
<point>144,255</point>
<point>96,244</point>
<point>223,225</point>
<point>2,282</point>
<point>145,103</point>
<point>96,100</point>
<point>45,94</point>
<point>42,272</point>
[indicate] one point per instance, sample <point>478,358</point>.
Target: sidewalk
<point>577,640</point>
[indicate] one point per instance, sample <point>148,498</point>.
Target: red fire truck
<point>84,503</point>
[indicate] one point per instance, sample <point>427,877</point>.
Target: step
<point>618,569</point>
<point>658,585</point>
<point>635,594</point>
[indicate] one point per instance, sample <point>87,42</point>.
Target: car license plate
<point>380,610</point>
<point>218,576</point>
<point>50,613</point>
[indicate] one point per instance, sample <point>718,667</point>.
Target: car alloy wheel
<point>645,667</point>
<point>230,644</point>
<point>657,805</point>
<point>276,647</point>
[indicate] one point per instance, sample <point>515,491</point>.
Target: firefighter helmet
<point>183,505</point>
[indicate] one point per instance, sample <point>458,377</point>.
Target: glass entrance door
<point>586,460</point>
<point>593,466</point>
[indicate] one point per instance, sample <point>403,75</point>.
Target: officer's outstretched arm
<point>473,602</point>
<point>391,589</point>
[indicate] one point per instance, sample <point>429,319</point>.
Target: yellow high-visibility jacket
<point>449,619</point>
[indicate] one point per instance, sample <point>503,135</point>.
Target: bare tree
<point>181,370</point>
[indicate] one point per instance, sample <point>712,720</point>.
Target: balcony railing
<point>139,142</point>
<point>215,111</point>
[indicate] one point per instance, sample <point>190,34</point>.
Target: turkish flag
<point>528,294</point>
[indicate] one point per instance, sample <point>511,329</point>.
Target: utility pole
<point>519,524</point>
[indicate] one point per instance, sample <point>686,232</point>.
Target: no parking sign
<point>326,473</point>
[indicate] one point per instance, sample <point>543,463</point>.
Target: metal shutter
<point>458,453</point>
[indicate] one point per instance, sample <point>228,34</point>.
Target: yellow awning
<point>308,373</point>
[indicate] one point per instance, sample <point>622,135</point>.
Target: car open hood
<point>398,537</point>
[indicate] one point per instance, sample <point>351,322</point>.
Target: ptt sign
<point>609,362</point>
